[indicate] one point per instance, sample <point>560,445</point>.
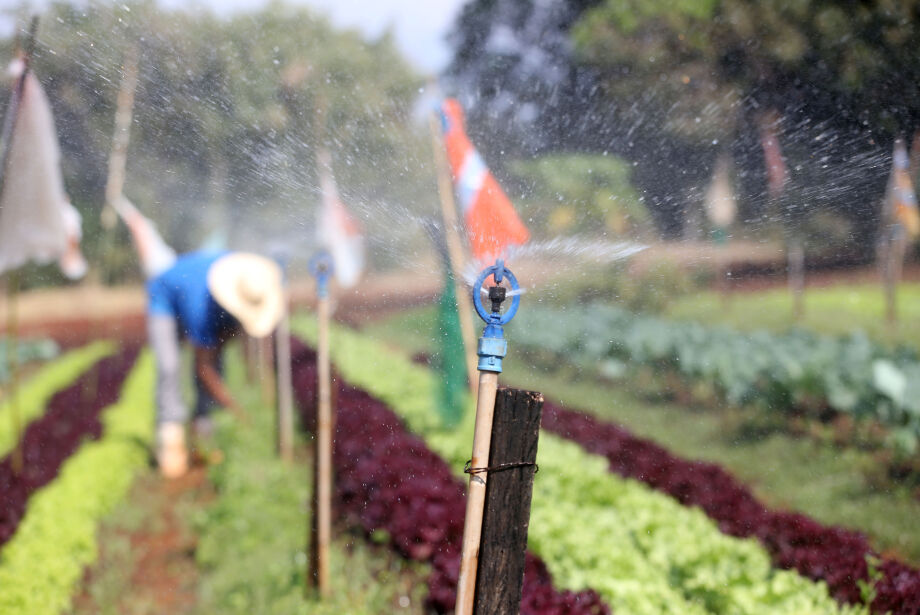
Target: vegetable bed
<point>641,550</point>
<point>392,486</point>
<point>71,416</point>
<point>835,555</point>
<point>45,559</point>
<point>791,373</point>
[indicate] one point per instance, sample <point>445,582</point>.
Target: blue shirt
<point>182,293</point>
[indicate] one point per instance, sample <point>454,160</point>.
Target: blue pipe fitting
<point>322,268</point>
<point>493,346</point>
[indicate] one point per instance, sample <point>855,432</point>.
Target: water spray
<point>491,350</point>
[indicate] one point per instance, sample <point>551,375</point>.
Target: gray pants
<point>164,341</point>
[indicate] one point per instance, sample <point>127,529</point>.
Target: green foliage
<point>641,550</point>
<point>581,193</point>
<point>790,472</point>
<point>831,310</point>
<point>33,395</point>
<point>27,351</point>
<point>795,371</point>
<point>652,289</point>
<point>44,561</point>
<point>253,537</point>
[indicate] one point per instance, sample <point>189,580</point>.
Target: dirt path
<point>146,562</point>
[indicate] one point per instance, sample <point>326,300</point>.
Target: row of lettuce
<point>641,550</point>
<point>793,372</point>
<point>89,423</point>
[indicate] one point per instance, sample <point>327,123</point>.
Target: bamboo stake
<point>454,248</point>
<point>285,387</point>
<point>12,349</point>
<point>476,493</point>
<point>266,370</point>
<point>323,486</point>
<point>118,158</point>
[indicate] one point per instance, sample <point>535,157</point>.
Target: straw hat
<point>249,287</point>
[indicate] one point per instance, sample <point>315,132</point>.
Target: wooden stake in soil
<point>454,248</point>
<point>506,518</point>
<point>318,575</point>
<point>12,350</point>
<point>267,370</point>
<point>285,388</point>
<point>492,348</point>
<point>476,493</point>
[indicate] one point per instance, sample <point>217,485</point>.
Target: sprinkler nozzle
<point>492,345</point>
<point>496,296</point>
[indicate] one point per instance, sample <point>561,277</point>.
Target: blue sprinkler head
<point>322,267</point>
<point>492,345</point>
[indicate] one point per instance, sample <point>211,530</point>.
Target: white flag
<point>36,217</point>
<point>338,231</point>
<point>720,198</point>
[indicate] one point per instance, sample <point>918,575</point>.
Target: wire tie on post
<point>469,469</point>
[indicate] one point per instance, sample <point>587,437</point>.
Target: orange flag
<point>491,222</point>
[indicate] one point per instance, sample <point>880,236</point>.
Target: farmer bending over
<point>205,297</point>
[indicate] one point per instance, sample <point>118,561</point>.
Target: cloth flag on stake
<point>338,231</point>
<point>777,173</point>
<point>491,222</point>
<point>720,199</point>
<point>37,221</point>
<point>901,191</point>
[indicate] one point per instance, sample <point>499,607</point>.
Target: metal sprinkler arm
<point>492,345</point>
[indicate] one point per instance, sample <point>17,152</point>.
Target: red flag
<point>491,222</point>
<point>777,174</point>
<point>338,231</point>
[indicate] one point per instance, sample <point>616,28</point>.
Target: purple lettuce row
<point>794,541</point>
<point>71,417</point>
<point>388,480</point>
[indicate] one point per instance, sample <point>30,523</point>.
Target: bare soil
<point>146,562</point>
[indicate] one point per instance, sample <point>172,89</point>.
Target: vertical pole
<point>476,492</point>
<point>454,248</point>
<point>795,259</point>
<point>285,387</point>
<point>124,112</point>
<point>12,349</point>
<point>512,457</point>
<point>323,486</point>
<point>118,157</point>
<point>267,370</point>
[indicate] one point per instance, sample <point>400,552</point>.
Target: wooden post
<point>795,263</point>
<point>319,575</point>
<point>285,387</point>
<point>476,493</point>
<point>512,457</point>
<point>12,349</point>
<point>454,249</point>
<point>266,370</point>
<point>118,158</point>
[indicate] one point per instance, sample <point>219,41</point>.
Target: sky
<point>419,25</point>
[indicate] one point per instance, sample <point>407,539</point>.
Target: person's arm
<point>206,370</point>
